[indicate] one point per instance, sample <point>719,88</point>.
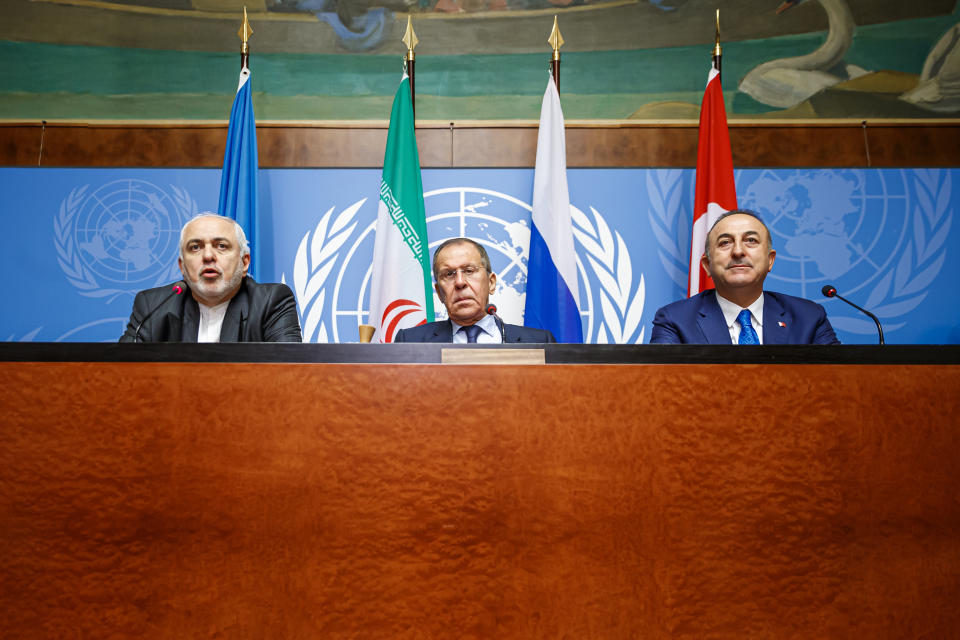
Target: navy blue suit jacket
<point>442,331</point>
<point>699,320</point>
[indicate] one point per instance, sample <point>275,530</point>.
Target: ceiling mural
<point>479,59</point>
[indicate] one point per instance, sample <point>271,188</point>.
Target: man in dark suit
<point>225,304</point>
<point>738,255</point>
<point>464,282</point>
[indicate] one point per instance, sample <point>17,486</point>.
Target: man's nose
<point>738,248</point>
<point>460,279</point>
<point>208,253</point>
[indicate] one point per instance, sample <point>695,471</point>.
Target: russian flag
<point>552,289</point>
<point>238,179</point>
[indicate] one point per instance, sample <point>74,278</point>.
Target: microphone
<point>492,310</point>
<point>175,290</point>
<point>831,292</point>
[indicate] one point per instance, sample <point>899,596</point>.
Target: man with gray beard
<point>225,304</point>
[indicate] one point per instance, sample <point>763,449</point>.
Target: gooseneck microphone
<point>175,290</point>
<point>492,310</point>
<point>831,292</point>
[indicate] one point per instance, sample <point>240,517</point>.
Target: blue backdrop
<point>79,243</point>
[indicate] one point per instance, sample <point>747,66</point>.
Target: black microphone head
<point>829,290</point>
<point>492,309</point>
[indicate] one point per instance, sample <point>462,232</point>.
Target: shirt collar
<point>209,311</point>
<point>731,310</point>
<point>487,324</point>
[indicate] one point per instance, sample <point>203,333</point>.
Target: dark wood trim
<point>432,353</point>
<point>483,144</point>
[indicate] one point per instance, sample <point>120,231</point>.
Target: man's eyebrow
<point>219,239</point>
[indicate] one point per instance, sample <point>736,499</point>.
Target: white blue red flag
<point>552,289</point>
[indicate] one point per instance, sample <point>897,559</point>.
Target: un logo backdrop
<point>80,243</point>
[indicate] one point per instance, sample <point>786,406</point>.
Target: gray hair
<point>484,258</point>
<point>736,212</point>
<point>241,236</point>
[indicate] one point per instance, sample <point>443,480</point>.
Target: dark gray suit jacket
<point>258,313</point>
<point>442,331</point>
<point>699,320</point>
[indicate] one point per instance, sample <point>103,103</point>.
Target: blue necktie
<point>747,333</point>
<point>472,332</point>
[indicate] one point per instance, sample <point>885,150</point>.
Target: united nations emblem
<point>121,237</point>
<point>878,235</point>
<point>332,272</point>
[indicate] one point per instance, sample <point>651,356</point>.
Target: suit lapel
<point>711,321</point>
<point>191,319</point>
<point>236,315</point>
<point>442,332</point>
<point>775,329</point>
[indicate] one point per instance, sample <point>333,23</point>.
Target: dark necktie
<point>747,333</point>
<point>472,332</point>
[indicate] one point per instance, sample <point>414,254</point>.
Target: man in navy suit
<point>464,282</point>
<point>738,255</point>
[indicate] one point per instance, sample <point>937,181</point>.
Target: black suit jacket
<point>258,313</point>
<point>699,320</point>
<point>442,331</point>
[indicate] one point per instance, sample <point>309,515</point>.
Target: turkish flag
<point>715,192</point>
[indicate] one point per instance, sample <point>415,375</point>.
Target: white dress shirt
<point>489,334</point>
<point>730,312</point>
<point>211,321</point>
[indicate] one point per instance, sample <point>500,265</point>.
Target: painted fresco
<point>479,59</point>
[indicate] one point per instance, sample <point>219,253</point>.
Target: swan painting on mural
<point>789,81</point>
<point>939,85</point>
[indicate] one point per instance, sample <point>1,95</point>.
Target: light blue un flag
<point>238,181</point>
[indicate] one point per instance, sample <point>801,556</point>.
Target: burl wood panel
<point>475,145</point>
<point>431,501</point>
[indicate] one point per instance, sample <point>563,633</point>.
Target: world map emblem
<point>332,270</point>
<point>121,237</point>
<point>878,235</point>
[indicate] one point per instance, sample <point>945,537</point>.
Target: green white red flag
<point>401,293</point>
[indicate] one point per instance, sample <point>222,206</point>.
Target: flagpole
<point>409,62</point>
<point>240,172</point>
<point>556,41</point>
<point>717,51</point>
<point>715,190</point>
<point>244,33</point>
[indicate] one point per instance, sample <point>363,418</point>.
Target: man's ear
<point>773,256</point>
<point>246,263</point>
<point>180,264</point>
<point>493,282</point>
<point>439,291</point>
<point>705,263</point>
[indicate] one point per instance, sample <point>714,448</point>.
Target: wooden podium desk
<point>366,491</point>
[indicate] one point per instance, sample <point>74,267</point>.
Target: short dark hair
<point>484,258</point>
<point>735,212</point>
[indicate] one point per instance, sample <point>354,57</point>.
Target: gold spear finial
<point>410,39</point>
<point>555,39</point>
<point>716,48</point>
<point>245,31</point>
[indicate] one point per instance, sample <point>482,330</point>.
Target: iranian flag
<point>400,292</point>
<point>715,192</point>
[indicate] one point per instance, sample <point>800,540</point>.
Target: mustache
<point>739,263</point>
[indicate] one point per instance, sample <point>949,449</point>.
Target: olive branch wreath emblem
<point>68,255</point>
<point>898,290</point>
<point>621,302</point>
